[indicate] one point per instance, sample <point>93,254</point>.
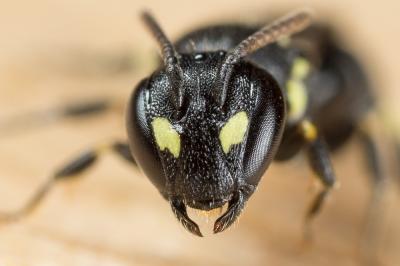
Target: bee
<point>229,99</point>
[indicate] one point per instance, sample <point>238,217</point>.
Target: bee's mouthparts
<point>235,206</point>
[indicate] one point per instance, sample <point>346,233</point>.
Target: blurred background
<point>57,52</point>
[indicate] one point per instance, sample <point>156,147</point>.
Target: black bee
<point>227,101</point>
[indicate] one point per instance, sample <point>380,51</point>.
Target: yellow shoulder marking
<point>301,68</point>
<point>296,90</point>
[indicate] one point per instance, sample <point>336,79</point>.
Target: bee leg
<point>373,220</point>
<point>73,169</point>
<point>122,149</point>
<point>319,160</point>
<point>21,123</point>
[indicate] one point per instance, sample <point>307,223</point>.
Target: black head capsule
<point>231,120</point>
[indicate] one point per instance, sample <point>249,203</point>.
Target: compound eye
<point>166,136</point>
<point>233,131</point>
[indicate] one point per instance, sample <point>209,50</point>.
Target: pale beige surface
<point>56,51</point>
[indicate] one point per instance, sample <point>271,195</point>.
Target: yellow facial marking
<point>166,137</point>
<point>296,89</point>
<point>310,132</point>
<point>233,131</point>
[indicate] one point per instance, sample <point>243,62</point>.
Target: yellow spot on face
<point>310,132</point>
<point>166,137</point>
<point>296,89</point>
<point>233,131</point>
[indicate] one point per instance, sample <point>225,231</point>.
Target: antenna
<point>169,56</point>
<point>284,26</point>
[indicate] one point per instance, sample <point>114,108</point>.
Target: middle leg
<point>319,160</point>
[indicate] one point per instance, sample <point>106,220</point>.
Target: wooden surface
<point>53,52</point>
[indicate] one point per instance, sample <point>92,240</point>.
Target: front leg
<point>74,168</point>
<point>319,160</point>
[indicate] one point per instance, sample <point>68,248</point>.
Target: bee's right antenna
<point>170,57</point>
<point>285,26</point>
